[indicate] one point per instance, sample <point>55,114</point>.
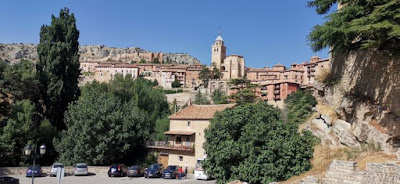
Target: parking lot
<point>104,179</point>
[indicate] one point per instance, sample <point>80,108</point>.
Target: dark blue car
<point>35,171</point>
<point>171,172</point>
<point>154,170</point>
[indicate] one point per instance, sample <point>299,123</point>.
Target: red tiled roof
<point>199,112</point>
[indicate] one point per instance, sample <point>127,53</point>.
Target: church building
<point>231,67</point>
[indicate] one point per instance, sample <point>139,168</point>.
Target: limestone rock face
<point>16,52</point>
<point>365,98</point>
<point>333,134</point>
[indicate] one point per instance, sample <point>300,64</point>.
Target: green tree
<point>58,66</point>
<point>299,106</point>
<point>216,74</point>
<point>162,125</point>
<point>366,24</point>
<point>153,101</point>
<point>200,99</point>
<point>156,61</point>
<point>219,97</point>
<point>20,80</point>
<point>142,61</point>
<point>176,83</point>
<point>125,112</point>
<point>174,106</point>
<point>251,143</point>
<point>101,130</point>
<point>18,132</point>
<point>245,91</point>
<point>205,75</point>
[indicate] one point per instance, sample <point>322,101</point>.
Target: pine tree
<point>58,66</point>
<point>366,24</point>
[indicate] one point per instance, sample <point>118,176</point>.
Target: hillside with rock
<point>16,52</point>
<point>359,102</point>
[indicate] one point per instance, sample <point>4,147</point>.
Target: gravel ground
<point>104,179</point>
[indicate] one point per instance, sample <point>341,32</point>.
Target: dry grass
<point>323,76</point>
<point>303,125</point>
<point>323,156</point>
<point>373,157</point>
<point>327,111</point>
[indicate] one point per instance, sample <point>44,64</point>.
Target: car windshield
<point>171,167</point>
<point>36,167</point>
<point>134,167</point>
<point>155,166</point>
<point>81,166</point>
<point>58,165</point>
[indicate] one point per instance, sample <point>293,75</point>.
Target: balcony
<point>169,145</point>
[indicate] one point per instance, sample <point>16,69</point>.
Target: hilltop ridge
<point>16,51</point>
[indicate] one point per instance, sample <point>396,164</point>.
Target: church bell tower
<point>218,52</point>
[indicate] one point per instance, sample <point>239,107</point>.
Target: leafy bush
<point>251,143</point>
<point>172,91</point>
<point>176,84</point>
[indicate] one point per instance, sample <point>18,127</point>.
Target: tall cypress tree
<point>58,66</point>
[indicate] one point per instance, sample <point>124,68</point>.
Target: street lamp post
<point>28,152</point>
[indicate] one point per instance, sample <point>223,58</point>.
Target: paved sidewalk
<point>104,179</point>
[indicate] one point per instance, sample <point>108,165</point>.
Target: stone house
<point>186,135</point>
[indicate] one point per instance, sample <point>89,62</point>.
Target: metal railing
<point>170,145</point>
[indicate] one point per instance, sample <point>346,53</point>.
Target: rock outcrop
<point>363,93</point>
<point>16,52</point>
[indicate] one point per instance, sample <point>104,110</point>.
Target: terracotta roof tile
<point>200,112</point>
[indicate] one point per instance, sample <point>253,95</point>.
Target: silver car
<point>54,167</point>
<point>81,169</point>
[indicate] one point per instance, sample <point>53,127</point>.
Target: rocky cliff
<point>16,52</point>
<point>361,101</point>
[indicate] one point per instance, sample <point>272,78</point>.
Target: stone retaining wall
<point>346,172</point>
<point>46,169</point>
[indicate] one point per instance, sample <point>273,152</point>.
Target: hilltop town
<point>123,115</point>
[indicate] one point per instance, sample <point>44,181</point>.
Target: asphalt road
<point>104,179</point>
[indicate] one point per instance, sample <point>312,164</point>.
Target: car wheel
<point>109,175</point>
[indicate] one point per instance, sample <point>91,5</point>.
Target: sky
<point>264,32</point>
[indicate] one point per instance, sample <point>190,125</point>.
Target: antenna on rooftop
<point>219,31</point>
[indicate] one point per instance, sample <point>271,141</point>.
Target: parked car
<point>117,170</point>
<point>8,180</point>
<point>54,167</point>
<point>154,170</point>
<point>172,171</point>
<point>34,171</point>
<point>81,169</point>
<point>135,170</point>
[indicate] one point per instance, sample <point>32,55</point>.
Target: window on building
<point>180,158</point>
<point>188,124</point>
<point>178,139</point>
